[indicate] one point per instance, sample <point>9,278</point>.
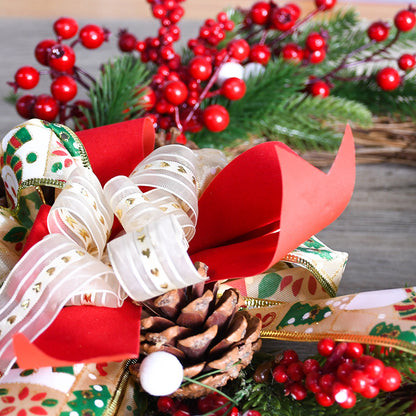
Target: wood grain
<point>130,9</point>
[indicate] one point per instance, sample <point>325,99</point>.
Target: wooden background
<point>378,228</point>
<point>130,9</point>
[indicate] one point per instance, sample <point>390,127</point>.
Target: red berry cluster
<point>213,404</point>
<point>176,90</point>
<point>346,372</point>
<point>60,59</point>
<point>388,78</point>
<point>215,69</point>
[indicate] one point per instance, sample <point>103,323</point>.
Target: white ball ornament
<point>161,374</point>
<point>230,70</point>
<point>253,69</point>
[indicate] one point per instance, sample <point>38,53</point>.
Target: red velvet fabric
<point>116,149</point>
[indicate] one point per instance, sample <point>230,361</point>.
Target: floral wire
<point>190,380</point>
<point>211,373</point>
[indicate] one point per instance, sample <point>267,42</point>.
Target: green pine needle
<point>275,107</point>
<point>115,96</point>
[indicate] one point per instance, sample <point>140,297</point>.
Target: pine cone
<point>203,332</point>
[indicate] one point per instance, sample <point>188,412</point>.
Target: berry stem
<point>191,380</point>
<point>205,91</point>
<point>62,113</point>
<point>299,23</point>
<point>177,120</point>
<point>343,64</point>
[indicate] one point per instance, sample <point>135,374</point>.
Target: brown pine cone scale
<point>204,332</point>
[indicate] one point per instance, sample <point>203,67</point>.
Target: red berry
<point>234,412</point>
<point>282,19</point>
<point>24,106</point>
<point>27,77</point>
<point>378,31</point>
<point>340,392</point>
<point>233,88</point>
<point>288,357</point>
<point>206,404</point>
<point>312,382</point>
<point>326,382</point>
<point>252,412</point>
<point>325,4</point>
<point>315,41</point>
<point>295,371</point>
<point>344,371</point>
<point>370,391</point>
<point>405,20</point>
<point>319,89</point>
<point>325,347</point>
<point>199,68</point>
<point>64,88</point>
<point>260,53</point>
<point>216,118</point>
<point>354,350</point>
<point>175,92</point>
<point>239,49</point>
<point>358,380</point>
<point>350,401</point>
<point>297,391</point>
<point>222,17</point>
<point>140,46</point>
<point>373,367</point>
<point>280,373</point>
<point>292,52</point>
<point>310,365</point>
<point>181,139</point>
<point>65,27</point>
<point>294,10</point>
<point>147,98</point>
<point>181,412</point>
<point>165,404</point>
<point>45,107</point>
<point>127,42</point>
<point>259,12</point>
<point>315,57</point>
<point>62,58</point>
<point>388,79</point>
<point>406,62</point>
<point>324,399</point>
<point>390,380</point>
<point>92,36</point>
<point>43,49</point>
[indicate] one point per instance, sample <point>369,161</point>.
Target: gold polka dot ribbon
<point>39,286</point>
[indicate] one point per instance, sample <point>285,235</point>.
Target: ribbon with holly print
<point>291,201</point>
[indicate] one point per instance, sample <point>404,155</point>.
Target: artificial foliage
<point>270,399</point>
<point>280,101</point>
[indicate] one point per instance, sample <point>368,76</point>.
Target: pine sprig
<point>270,399</point>
<point>399,103</point>
<point>275,107</point>
<point>114,97</point>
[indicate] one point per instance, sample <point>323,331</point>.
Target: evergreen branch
<point>270,399</point>
<point>114,97</point>
<point>399,102</point>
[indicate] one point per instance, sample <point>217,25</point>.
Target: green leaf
<point>15,235</point>
<point>3,392</point>
<point>114,97</point>
<point>49,402</point>
<point>269,285</point>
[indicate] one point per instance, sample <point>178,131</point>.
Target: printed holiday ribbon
<point>292,201</point>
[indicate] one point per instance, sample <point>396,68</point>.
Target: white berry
<point>230,70</point>
<point>161,374</point>
<point>253,69</point>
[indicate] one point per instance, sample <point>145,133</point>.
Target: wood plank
<point>195,9</point>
